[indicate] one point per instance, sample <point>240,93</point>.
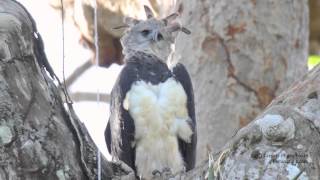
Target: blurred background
<point>85,78</point>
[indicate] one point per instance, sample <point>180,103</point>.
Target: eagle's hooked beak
<point>157,36</point>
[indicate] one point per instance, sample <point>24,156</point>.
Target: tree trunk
<point>39,138</point>
<point>241,54</point>
<point>282,143</point>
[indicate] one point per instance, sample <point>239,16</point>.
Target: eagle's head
<point>152,36</point>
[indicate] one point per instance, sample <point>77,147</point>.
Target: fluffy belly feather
<point>160,116</point>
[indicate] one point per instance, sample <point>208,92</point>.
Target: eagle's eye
<point>159,37</point>
<point>145,32</point>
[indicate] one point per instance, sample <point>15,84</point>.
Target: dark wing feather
<point>119,134</point>
<point>188,150</point>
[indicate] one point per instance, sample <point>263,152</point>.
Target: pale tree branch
<point>77,73</point>
<point>88,96</point>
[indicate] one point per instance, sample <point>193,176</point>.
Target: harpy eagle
<point>152,125</point>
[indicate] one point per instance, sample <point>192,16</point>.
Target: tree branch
<point>88,96</point>
<point>77,73</point>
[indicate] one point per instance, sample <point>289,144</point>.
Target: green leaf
<point>313,60</point>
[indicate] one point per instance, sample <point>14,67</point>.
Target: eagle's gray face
<point>151,36</point>
<point>148,36</point>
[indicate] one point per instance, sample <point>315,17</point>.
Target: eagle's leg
<point>166,173</point>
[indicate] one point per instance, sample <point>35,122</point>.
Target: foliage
<point>313,60</point>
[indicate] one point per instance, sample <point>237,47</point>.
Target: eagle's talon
<point>156,172</point>
<point>166,173</point>
<point>166,170</point>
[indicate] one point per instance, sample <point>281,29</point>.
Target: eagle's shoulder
<point>179,69</point>
<point>181,74</point>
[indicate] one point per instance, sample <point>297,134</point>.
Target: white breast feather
<point>160,115</point>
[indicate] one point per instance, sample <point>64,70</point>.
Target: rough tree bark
<point>39,138</point>
<point>283,142</point>
<point>241,55</point>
